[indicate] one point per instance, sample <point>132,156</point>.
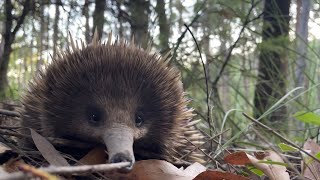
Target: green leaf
<point>317,155</point>
<point>287,148</point>
<point>274,162</point>
<point>255,170</point>
<point>308,117</point>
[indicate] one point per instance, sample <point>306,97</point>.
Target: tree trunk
<point>163,25</point>
<point>55,27</point>
<point>9,36</point>
<point>302,39</point>
<point>41,39</point>
<point>98,16</point>
<point>85,12</point>
<point>272,69</point>
<point>139,15</point>
<point>120,18</point>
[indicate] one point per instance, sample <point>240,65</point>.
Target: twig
<point>280,136</point>
<point>9,113</point>
<point>65,170</point>
<point>227,57</point>
<point>199,13</point>
<point>207,86</point>
<point>55,141</point>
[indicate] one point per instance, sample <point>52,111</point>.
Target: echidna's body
<point>113,93</point>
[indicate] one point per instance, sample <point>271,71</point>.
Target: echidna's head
<point>113,93</point>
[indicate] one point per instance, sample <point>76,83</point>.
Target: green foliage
<point>287,148</point>
<point>308,117</point>
<point>255,170</point>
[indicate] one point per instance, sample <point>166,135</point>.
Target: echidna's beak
<point>119,142</point>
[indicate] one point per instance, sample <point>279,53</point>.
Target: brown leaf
<point>218,175</point>
<point>237,158</point>
<point>311,168</point>
<point>47,150</point>
<point>96,156</point>
<point>273,171</point>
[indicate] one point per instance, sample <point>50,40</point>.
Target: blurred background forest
<point>238,55</point>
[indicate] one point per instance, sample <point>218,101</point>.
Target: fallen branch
<point>67,170</point>
<point>9,113</point>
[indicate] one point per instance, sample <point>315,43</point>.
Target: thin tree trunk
<point>139,16</point>
<point>163,25</point>
<point>302,39</point>
<point>272,69</point>
<point>98,16</point>
<point>41,39</point>
<point>55,27</point>
<point>86,15</point>
<point>9,36</point>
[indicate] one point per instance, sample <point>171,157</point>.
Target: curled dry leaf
<point>311,168</point>
<point>273,171</point>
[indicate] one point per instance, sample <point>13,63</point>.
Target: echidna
<point>117,94</point>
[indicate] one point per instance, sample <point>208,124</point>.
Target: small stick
<point>9,113</point>
<point>279,136</point>
<point>70,170</point>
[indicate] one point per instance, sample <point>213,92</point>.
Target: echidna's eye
<point>94,116</point>
<point>139,120</point>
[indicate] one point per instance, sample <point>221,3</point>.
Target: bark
<point>55,27</point>
<point>85,12</point>
<point>272,69</point>
<point>98,16</point>
<point>120,18</point>
<point>139,15</point>
<point>41,38</point>
<point>303,10</point>
<point>163,25</point>
<point>9,36</point>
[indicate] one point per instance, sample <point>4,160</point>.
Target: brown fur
<point>119,79</point>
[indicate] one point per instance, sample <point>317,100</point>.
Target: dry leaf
<point>273,171</point>
<point>194,169</point>
<point>47,150</point>
<point>95,156</point>
<point>311,168</point>
<point>237,158</point>
<point>218,175</point>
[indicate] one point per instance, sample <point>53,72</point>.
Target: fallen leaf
<point>311,168</point>
<point>194,169</point>
<point>47,150</point>
<point>95,156</point>
<point>271,166</point>
<point>218,175</point>
<point>237,158</point>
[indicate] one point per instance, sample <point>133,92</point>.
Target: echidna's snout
<point>119,142</point>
